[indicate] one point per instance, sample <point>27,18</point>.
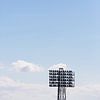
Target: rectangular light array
<point>61,78</point>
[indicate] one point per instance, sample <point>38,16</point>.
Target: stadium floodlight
<point>61,78</point>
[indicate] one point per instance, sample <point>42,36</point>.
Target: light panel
<point>61,78</point>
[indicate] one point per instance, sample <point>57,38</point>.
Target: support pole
<point>61,90</point>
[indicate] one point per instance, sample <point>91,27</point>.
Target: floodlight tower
<point>61,78</point>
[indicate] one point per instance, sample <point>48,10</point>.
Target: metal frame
<point>61,78</point>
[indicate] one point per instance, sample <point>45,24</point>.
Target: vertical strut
<point>61,90</point>
<point>58,93</point>
<point>61,93</point>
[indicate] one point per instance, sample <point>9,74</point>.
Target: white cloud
<point>5,81</point>
<point>14,90</point>
<point>57,66</point>
<point>25,66</point>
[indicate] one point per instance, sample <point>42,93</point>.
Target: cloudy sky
<point>37,34</point>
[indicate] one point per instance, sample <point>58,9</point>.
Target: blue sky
<point>48,32</point>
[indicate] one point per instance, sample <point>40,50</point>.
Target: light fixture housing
<point>61,78</point>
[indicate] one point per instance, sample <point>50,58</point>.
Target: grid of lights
<point>61,78</point>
